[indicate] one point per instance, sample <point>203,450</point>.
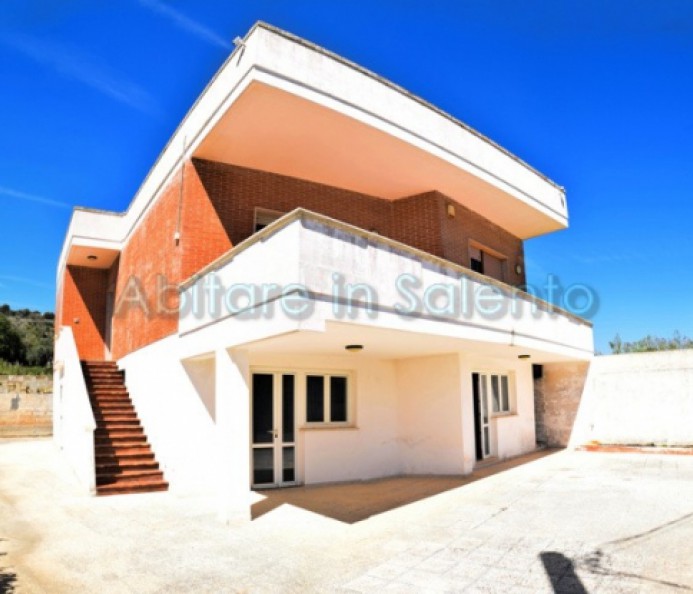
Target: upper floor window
<point>487,261</point>
<point>264,217</point>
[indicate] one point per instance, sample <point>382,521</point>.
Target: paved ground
<point>565,522</point>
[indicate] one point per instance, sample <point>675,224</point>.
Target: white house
<point>319,280</point>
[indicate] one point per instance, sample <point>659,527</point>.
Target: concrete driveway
<point>563,522</point>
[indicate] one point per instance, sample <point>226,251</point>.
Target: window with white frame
<point>500,393</point>
<point>327,399</point>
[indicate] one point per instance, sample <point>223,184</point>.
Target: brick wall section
<point>235,192</point>
<point>420,221</point>
<point>466,226</point>
<point>140,316</point>
<point>84,299</point>
<point>216,211</point>
<point>416,222</point>
<point>204,236</point>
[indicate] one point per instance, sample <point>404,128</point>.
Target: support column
<point>467,395</point>
<point>232,377</point>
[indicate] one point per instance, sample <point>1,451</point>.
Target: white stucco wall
<point>429,415</point>
<point>175,416</point>
<point>73,418</point>
<point>368,449</point>
<point>511,434</point>
<point>640,398</point>
<point>410,416</point>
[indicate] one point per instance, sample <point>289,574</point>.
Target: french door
<point>482,413</point>
<point>273,430</point>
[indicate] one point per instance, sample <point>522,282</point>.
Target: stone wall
<point>557,395</point>
<point>26,405</point>
<point>639,399</point>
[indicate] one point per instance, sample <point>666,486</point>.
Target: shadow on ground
<point>561,570</point>
<point>354,502</point>
<point>561,573</point>
<point>8,579</point>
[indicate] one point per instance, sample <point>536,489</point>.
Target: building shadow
<point>8,579</point>
<point>357,501</point>
<point>561,573</point>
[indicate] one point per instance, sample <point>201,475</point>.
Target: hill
<point>26,340</point>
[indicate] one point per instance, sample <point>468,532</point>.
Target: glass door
<point>273,430</point>
<point>484,420</point>
<point>482,414</point>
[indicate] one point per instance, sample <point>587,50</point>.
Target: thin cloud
<point>185,22</point>
<point>86,69</point>
<point>25,281</point>
<point>9,192</point>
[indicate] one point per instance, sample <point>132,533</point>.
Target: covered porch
<point>295,364</point>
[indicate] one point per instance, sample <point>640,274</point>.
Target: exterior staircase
<point>124,460</point>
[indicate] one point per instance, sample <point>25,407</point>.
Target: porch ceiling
<point>386,343</point>
<point>273,130</point>
<point>91,257</point>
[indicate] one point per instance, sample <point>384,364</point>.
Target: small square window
<point>499,400</point>
<point>327,399</point>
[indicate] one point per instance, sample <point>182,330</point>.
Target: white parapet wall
<point>329,258</point>
<point>632,399</point>
<point>176,404</point>
<point>73,418</point>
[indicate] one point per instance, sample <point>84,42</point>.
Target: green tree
<point>11,347</point>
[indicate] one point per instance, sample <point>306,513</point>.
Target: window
<point>487,261</point>
<point>327,399</point>
<point>265,217</point>
<point>500,394</point>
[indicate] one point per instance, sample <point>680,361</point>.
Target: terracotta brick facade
<point>235,192</point>
<point>458,232</point>
<point>83,306</point>
<point>150,259</point>
<point>185,230</point>
<point>417,222</point>
<point>421,221</point>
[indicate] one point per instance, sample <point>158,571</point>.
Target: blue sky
<point>596,95</point>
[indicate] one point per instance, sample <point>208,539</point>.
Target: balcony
<point>314,284</point>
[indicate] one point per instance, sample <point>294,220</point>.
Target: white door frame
<point>282,441</point>
<point>484,415</point>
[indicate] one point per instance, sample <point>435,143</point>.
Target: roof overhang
<point>94,240</point>
<point>282,104</point>
<point>272,128</point>
<point>388,343</point>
